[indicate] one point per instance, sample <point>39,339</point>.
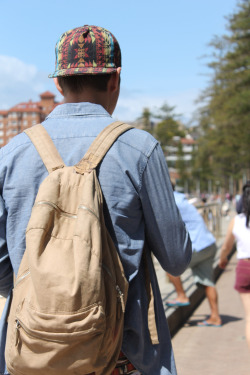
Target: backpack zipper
<point>22,277</point>
<point>120,295</point>
<point>58,209</point>
<point>88,209</point>
<point>20,325</point>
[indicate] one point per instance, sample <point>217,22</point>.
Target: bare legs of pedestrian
<point>212,297</point>
<point>181,295</point>
<point>245,297</point>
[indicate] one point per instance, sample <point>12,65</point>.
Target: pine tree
<point>226,116</point>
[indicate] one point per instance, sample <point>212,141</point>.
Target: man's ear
<point>114,82</point>
<point>58,86</point>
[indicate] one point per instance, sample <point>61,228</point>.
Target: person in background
<point>204,250</point>
<point>239,202</point>
<point>239,232</point>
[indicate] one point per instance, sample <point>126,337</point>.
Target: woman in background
<point>239,231</point>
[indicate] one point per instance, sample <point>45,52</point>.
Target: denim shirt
<point>139,205</point>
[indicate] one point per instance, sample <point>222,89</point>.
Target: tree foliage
<point>145,118</point>
<point>225,116</point>
<point>168,126</point>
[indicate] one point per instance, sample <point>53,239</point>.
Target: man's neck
<point>90,97</point>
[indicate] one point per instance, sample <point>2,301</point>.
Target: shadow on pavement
<point>225,320</point>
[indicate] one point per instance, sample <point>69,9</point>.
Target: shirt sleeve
<point>166,233</point>
<point>6,273</point>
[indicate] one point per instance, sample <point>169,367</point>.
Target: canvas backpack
<point>69,298</point>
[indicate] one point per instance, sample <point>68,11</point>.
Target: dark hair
<point>246,201</point>
<point>78,83</point>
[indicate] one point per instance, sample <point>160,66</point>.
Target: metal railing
<point>212,215</point>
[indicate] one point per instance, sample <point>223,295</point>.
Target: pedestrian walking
<point>239,232</point>
<point>204,251</point>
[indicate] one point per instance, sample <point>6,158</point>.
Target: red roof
<point>47,95</point>
<point>186,141</point>
<point>4,112</point>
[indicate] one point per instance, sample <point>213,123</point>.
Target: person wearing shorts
<point>203,253</point>
<point>202,265</point>
<point>239,232</point>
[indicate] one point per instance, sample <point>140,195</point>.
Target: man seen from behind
<point>139,202</point>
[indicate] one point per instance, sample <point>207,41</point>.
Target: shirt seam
<point>146,153</point>
<point>142,170</point>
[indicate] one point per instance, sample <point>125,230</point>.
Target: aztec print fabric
<point>86,50</point>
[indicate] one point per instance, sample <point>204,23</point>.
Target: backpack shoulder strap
<point>45,147</point>
<point>100,146</point>
<point>150,294</point>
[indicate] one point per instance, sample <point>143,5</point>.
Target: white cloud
<point>20,82</point>
<point>16,70</point>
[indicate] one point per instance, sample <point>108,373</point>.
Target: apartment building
<point>181,148</point>
<point>24,115</point>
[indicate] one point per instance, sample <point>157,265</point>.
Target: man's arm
<point>166,233</point>
<point>6,273</point>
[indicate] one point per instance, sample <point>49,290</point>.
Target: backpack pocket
<point>55,342</point>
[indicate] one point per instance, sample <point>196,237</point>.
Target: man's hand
<point>223,262</point>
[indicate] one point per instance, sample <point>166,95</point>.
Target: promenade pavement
<point>212,350</point>
<point>206,350</point>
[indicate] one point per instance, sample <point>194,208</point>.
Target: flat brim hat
<point>87,50</point>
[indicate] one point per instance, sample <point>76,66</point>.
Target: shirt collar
<point>78,109</point>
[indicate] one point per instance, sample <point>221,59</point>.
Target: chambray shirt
<point>200,236</point>
<point>139,204</point>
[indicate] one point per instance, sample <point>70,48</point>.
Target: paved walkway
<point>208,350</point>
<point>215,351</point>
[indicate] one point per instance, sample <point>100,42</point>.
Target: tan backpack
<point>69,298</point>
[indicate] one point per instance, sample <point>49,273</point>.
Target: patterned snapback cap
<point>86,50</point>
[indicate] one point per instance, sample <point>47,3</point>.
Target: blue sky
<point>162,43</point>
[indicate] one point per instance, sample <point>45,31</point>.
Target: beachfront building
<point>24,115</point>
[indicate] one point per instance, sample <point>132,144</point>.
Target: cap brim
<point>76,71</point>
